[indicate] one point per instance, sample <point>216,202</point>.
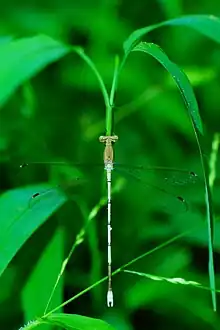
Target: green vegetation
<point>68,74</point>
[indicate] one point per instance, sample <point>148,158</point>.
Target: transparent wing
<point>160,175</point>
<point>65,191</point>
<point>163,175</point>
<point>69,180</point>
<point>166,189</point>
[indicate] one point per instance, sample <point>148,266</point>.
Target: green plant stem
<point>120,269</point>
<point>82,54</point>
<point>213,159</point>
<point>115,81</point>
<point>81,235</point>
<point>32,324</point>
<point>109,120</point>
<point>79,240</point>
<point>109,108</point>
<point>125,110</point>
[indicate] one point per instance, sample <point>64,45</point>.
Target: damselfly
<point>165,177</point>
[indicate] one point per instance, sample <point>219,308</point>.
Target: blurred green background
<point>59,115</point>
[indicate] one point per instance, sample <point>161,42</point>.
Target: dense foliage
<point>52,110</point>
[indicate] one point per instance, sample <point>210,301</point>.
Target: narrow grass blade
<point>213,159</point>
<point>207,25</point>
<point>187,94</point>
<point>131,262</point>
<point>179,77</point>
<point>173,280</point>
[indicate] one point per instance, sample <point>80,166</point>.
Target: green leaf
<point>179,77</point>
<point>5,39</point>
<point>19,220</point>
<point>40,284</point>
<point>22,59</point>
<point>191,104</point>
<point>207,25</point>
<point>77,322</point>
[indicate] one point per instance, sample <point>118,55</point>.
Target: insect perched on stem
<point>166,178</point>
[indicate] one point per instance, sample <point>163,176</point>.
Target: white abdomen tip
<point>110,298</point>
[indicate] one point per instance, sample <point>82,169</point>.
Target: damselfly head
<point>108,139</point>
